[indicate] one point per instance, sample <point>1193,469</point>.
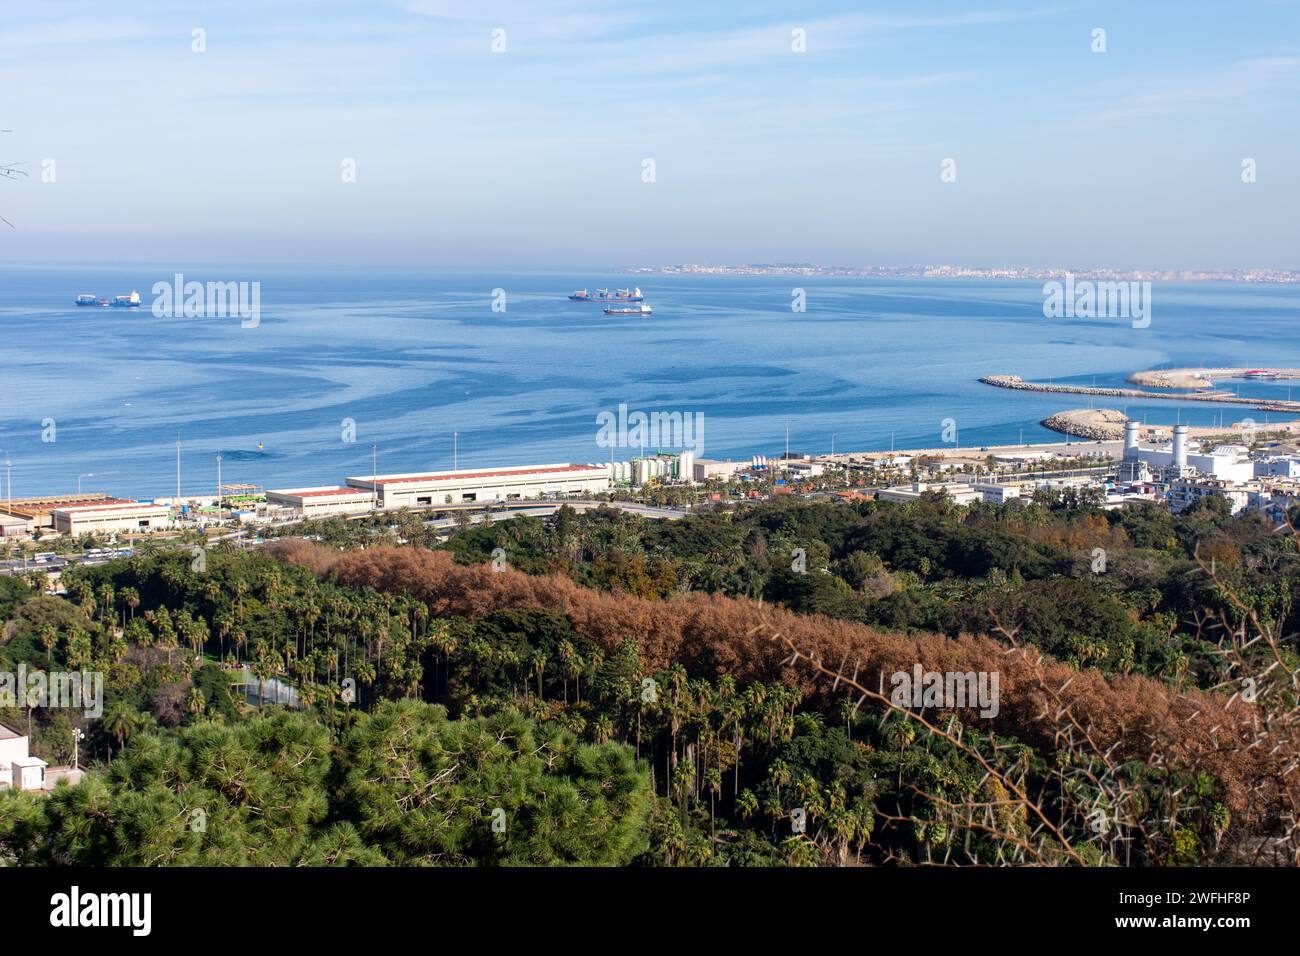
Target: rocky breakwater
<point>1016,382</point>
<point>1098,424</point>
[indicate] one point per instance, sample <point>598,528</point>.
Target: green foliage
<point>426,789</point>
<point>515,709</point>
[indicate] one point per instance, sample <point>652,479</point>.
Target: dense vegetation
<point>603,689</point>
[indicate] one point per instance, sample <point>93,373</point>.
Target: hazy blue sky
<point>533,157</point>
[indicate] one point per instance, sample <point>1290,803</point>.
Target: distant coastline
<point>810,270</point>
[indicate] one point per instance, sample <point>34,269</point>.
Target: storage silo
<point>1180,446</point>
<point>1130,439</point>
<point>686,466</point>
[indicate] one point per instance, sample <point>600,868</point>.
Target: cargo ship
<point>603,295</point>
<point>86,299</point>
<point>641,309</point>
<point>131,301</point>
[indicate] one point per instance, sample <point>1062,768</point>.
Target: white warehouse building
<point>111,516</point>
<point>328,500</point>
<point>433,489</point>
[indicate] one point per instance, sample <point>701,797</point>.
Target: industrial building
<point>325,500</point>
<point>708,469</point>
<point>38,513</point>
<point>1177,459</point>
<point>1278,466</point>
<point>997,494</point>
<point>805,469</point>
<point>11,527</point>
<point>647,468</point>
<point>960,492</point>
<point>433,489</point>
<point>115,515</point>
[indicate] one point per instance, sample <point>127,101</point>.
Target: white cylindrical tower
<point>1180,446</point>
<point>1131,438</point>
<point>686,466</point>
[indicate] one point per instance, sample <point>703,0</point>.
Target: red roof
<point>50,504</point>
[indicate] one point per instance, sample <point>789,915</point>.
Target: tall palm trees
<point>121,721</point>
<point>131,599</point>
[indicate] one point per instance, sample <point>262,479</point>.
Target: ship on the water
<point>603,295</point>
<point>86,299</point>
<point>131,301</point>
<point>641,309</point>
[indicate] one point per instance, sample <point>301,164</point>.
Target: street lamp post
<point>89,474</point>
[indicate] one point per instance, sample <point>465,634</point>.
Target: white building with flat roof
<point>324,501</point>
<point>997,494</point>
<point>21,771</point>
<point>436,488</point>
<point>115,516</point>
<point>707,469</point>
<point>959,492</point>
<point>18,769</point>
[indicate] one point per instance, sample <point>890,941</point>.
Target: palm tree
<point>848,710</point>
<point>106,604</point>
<point>121,721</point>
<point>747,804</point>
<point>131,598</point>
<point>261,669</point>
<point>196,632</point>
<point>713,781</point>
<point>49,637</point>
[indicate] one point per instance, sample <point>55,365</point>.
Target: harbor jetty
<point>1107,424</point>
<point>1204,377</point>
<point>1261,404</point>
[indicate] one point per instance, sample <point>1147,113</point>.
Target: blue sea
<point>412,358</point>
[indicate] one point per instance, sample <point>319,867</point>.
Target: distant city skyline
<point>778,133</point>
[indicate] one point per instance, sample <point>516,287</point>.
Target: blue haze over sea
<point>413,358</point>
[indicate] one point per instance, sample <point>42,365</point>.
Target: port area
<point>1219,398</point>
<point>1204,377</point>
<point>1107,424</point>
<point>977,455</point>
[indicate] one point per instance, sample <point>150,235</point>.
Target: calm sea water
<point>412,358</point>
